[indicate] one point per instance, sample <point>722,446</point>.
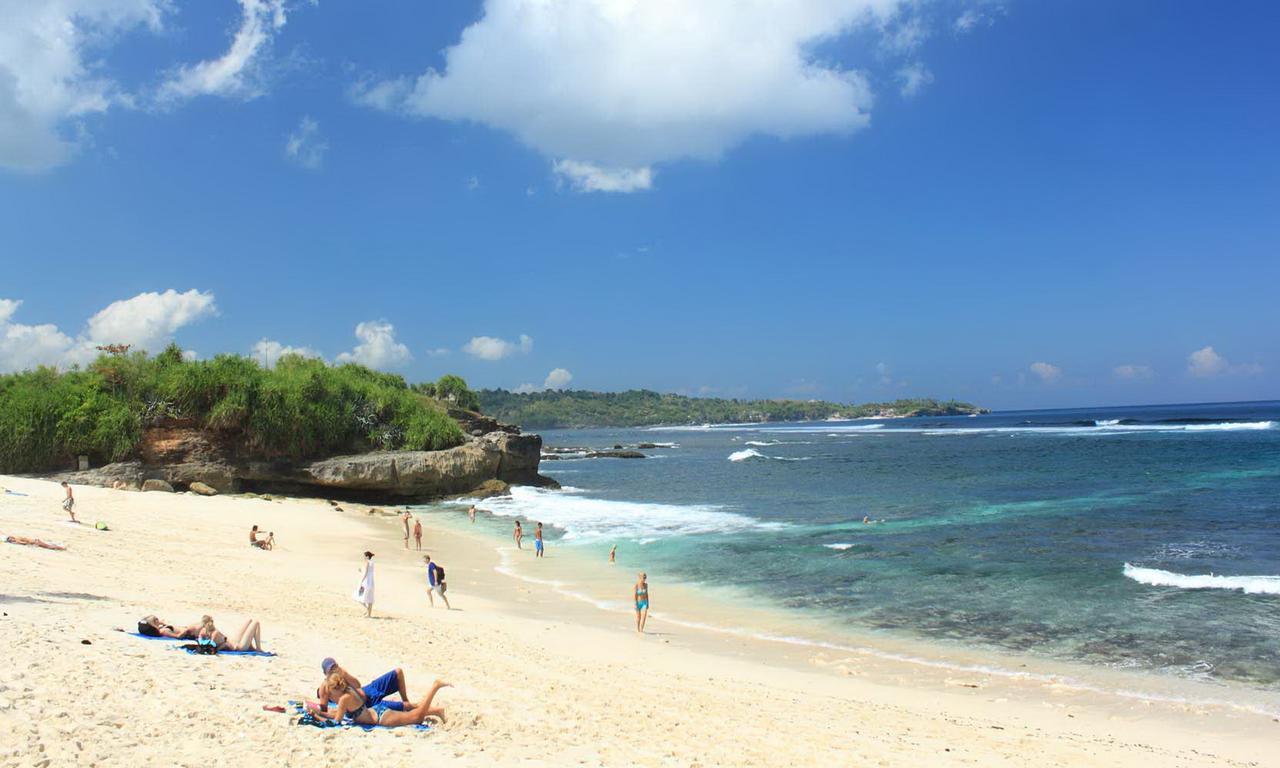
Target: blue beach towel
<point>141,636</point>
<point>306,718</point>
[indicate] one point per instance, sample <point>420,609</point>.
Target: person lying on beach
<point>352,708</point>
<point>152,626</point>
<point>27,541</point>
<point>249,638</point>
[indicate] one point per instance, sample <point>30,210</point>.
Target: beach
<point>540,678</point>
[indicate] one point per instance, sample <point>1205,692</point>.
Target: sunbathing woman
<point>248,639</point>
<point>27,541</point>
<point>153,626</point>
<point>351,706</point>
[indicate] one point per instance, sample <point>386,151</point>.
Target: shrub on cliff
<point>301,408</point>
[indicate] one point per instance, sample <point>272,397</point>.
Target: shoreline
<point>540,678</point>
<point>784,634</point>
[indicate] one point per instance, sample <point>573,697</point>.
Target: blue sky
<point>1020,204</point>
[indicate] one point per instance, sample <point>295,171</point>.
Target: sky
<point>1020,204</point>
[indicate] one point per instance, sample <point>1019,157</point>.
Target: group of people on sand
<point>206,634</point>
<point>539,545</point>
<point>341,698</point>
<point>256,539</point>
<point>406,518</point>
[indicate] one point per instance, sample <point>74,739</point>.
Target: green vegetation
<point>552,409</point>
<point>301,408</point>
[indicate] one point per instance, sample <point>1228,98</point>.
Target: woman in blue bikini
<point>351,706</point>
<point>642,601</point>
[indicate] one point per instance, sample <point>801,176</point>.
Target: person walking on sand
<point>364,590</point>
<point>417,532</point>
<point>642,601</point>
<point>435,582</point>
<point>471,513</point>
<point>613,554</point>
<point>518,535</point>
<point>404,518</point>
<point>69,503</point>
<point>537,541</point>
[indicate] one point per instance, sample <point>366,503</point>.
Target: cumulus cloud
<point>1206,363</point>
<point>378,347</point>
<point>1132,372</point>
<point>492,348</point>
<point>238,72</point>
<point>559,378</point>
<point>525,389</point>
<point>607,89</point>
<point>49,79</point>
<point>146,322</point>
<point>305,146</point>
<point>1047,372</point>
<point>268,352</point>
<point>913,77</point>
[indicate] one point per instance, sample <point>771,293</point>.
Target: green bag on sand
<point>101,526</point>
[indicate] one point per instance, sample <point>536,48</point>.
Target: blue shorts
<point>537,544</point>
<point>381,688</point>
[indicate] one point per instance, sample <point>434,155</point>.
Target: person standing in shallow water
<point>518,535</point>
<point>537,541</point>
<point>613,554</point>
<point>364,590</point>
<point>405,519</point>
<point>642,601</point>
<point>471,513</point>
<point>417,532</point>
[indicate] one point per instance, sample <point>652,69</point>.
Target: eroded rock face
<point>186,458</point>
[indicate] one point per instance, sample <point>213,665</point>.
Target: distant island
<point>639,407</point>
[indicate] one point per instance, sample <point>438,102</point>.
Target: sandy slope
<point>540,681</point>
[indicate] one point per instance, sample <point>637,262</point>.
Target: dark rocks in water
<point>615,454</point>
<point>647,446</point>
<point>617,447</point>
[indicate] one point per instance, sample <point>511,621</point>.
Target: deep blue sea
<point>1136,537</point>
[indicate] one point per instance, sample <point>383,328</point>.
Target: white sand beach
<point>540,679</point>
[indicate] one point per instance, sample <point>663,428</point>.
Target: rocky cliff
<point>183,456</point>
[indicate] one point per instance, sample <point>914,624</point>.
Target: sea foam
<point>1250,585</point>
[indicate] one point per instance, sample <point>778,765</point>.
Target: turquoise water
<point>1086,535</point>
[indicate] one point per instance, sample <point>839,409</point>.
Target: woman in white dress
<point>364,591</point>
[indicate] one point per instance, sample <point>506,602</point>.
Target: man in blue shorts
<point>371,694</point>
<point>435,582</point>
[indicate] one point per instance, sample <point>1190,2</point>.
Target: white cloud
<point>378,347</point>
<point>588,177</point>
<point>439,352</point>
<point>614,87</point>
<point>492,348</point>
<point>914,77</point>
<point>238,72</point>
<point>268,352</point>
<point>1132,372</point>
<point>1206,363</point>
<point>559,378</point>
<point>305,146</point>
<point>525,389</point>
<point>50,77</point>
<point>1048,372</point>
<point>147,322</point>
<point>972,18</point>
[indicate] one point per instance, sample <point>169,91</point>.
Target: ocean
<point>1138,538</point>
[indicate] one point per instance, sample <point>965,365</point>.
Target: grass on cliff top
<point>301,408</point>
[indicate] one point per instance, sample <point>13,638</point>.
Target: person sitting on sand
<point>642,601</point>
<point>27,541</point>
<point>254,541</point>
<point>353,708</point>
<point>69,503</point>
<point>248,639</point>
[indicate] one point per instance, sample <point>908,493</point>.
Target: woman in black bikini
<point>351,706</point>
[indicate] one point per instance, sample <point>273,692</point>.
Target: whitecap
<point>1250,585</point>
<point>839,545</point>
<point>746,453</point>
